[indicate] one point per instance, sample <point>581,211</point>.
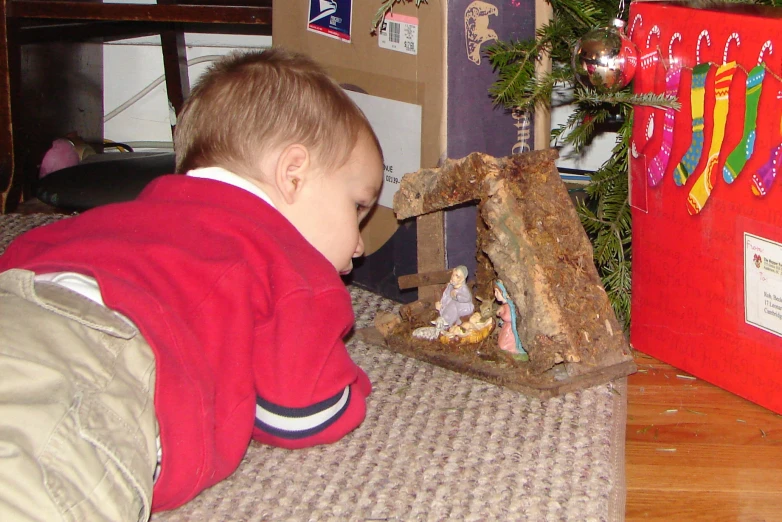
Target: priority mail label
<point>399,33</point>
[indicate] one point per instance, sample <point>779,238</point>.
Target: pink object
<point>506,341</point>
<point>62,154</point>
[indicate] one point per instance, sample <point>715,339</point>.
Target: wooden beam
<point>424,279</point>
<point>140,12</point>
<point>431,251</point>
<point>458,181</point>
<point>36,31</point>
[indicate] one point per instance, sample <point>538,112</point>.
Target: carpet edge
<point>618,497</point>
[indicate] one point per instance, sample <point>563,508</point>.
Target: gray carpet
<point>435,445</point>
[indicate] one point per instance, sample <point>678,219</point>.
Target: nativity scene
<point>534,317</point>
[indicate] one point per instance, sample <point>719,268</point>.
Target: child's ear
<point>292,166</point>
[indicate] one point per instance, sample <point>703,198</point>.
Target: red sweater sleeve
<point>309,390</point>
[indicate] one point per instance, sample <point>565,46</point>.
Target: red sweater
<point>245,317</point>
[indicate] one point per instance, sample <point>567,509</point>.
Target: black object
<point>378,272</point>
<point>103,178</point>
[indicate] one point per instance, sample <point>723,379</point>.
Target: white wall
<point>129,66</point>
<point>593,156</point>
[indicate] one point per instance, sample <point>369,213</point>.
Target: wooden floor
<point>698,453</point>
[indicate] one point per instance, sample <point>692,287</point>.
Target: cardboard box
<point>437,64</point>
<point>707,285</point>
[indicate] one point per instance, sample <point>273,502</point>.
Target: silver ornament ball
<point>605,59</point>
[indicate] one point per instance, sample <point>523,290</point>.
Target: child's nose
<point>359,247</point>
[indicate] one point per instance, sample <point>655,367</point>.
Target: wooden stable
<point>530,237</point>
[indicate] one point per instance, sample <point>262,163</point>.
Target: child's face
<point>334,204</point>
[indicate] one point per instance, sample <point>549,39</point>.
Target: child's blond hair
<point>250,103</point>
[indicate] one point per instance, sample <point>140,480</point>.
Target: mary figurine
<point>508,339</point>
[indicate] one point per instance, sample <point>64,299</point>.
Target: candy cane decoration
<point>674,38</point>
<point>700,40</point>
<point>638,18</point>
<point>647,61</point>
<point>654,31</point>
<point>733,36</point>
<point>767,46</point>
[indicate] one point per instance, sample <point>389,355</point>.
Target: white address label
<point>763,283</point>
<point>399,33</point>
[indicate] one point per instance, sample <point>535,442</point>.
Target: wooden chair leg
<point>172,43</point>
<point>9,188</point>
<point>175,67</point>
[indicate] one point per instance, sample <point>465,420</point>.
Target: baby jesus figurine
<point>456,301</point>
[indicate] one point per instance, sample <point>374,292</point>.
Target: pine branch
<point>385,7</point>
<point>515,62</point>
<point>658,101</point>
<point>607,221</point>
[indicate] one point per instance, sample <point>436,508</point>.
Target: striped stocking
<point>660,161</point>
<point>743,151</point>
<point>698,100</point>
<point>701,189</point>
<point>764,177</point>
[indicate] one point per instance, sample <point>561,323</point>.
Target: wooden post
<point>6,136</point>
<point>431,251</point>
<point>543,15</point>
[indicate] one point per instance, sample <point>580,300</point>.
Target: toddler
<point>143,345</point>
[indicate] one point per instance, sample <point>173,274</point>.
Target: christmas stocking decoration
<point>704,183</point>
<point>698,101</point>
<point>764,177</point>
<point>642,114</point>
<point>660,161</point>
<point>743,151</point>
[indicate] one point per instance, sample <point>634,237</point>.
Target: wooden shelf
<point>30,31</point>
<point>169,13</point>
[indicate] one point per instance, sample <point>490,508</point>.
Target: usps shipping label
<point>332,18</point>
